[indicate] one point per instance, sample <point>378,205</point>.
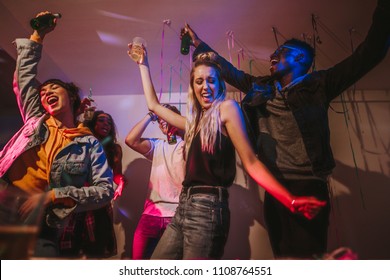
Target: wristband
<point>152,116</point>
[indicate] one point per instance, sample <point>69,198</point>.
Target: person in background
<point>50,157</point>
<point>214,129</point>
<point>103,128</point>
<point>95,234</point>
<point>166,177</point>
<point>287,114</point>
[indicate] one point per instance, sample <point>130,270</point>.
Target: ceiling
<point>89,45</point>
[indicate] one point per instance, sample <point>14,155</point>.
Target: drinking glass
<point>17,234</point>
<point>136,48</point>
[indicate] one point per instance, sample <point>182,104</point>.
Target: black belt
<point>219,191</point>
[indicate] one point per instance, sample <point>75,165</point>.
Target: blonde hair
<point>208,125</point>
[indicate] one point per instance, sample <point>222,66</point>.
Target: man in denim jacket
<point>51,158</point>
<point>288,123</point>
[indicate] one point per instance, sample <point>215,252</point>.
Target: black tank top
<point>204,168</point>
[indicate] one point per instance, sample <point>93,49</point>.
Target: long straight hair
<point>208,122</point>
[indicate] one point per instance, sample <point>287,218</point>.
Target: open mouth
<point>207,96</point>
<point>274,61</point>
<point>164,126</point>
<point>51,100</point>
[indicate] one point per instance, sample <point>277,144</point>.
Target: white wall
<point>360,196</point>
<point>361,180</point>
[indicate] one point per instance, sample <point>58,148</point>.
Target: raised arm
<point>151,97</point>
<point>367,55</point>
<point>25,84</point>
<point>233,76</point>
<point>134,140</point>
<point>233,121</point>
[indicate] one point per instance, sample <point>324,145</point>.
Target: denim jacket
<point>80,170</point>
<point>309,100</point>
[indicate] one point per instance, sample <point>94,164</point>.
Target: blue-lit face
<point>283,60</point>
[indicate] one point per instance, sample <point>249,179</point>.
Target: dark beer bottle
<point>47,20</point>
<point>185,44</point>
<point>171,137</point>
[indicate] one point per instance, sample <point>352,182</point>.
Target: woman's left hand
<point>121,184</point>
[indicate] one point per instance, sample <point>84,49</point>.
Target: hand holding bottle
<point>42,24</point>
<point>44,20</point>
<point>188,34</point>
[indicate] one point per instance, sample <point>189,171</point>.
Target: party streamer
<point>168,23</point>
<point>230,43</point>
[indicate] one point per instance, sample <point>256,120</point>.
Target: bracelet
<point>152,116</point>
<point>292,207</point>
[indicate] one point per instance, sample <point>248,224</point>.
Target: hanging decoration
<point>170,84</point>
<point>316,38</point>
<point>230,43</point>
<point>345,111</point>
<point>190,55</point>
<point>240,53</point>
<point>250,66</point>
<point>347,119</point>
<point>332,35</point>
<point>180,89</point>
<point>276,33</point>
<point>166,22</point>
<point>307,38</point>
<point>351,31</point>
<point>275,36</point>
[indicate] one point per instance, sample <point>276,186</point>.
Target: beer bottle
<point>46,20</point>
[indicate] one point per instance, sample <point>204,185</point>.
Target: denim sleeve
<point>366,56</point>
<point>237,78</point>
<point>99,190</point>
<point>25,84</point>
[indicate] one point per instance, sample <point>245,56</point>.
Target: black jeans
<point>292,235</point>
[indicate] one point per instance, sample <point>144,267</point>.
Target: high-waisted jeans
<point>200,227</point>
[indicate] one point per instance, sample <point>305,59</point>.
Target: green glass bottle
<point>47,20</point>
<point>185,44</point>
<point>171,138</point>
